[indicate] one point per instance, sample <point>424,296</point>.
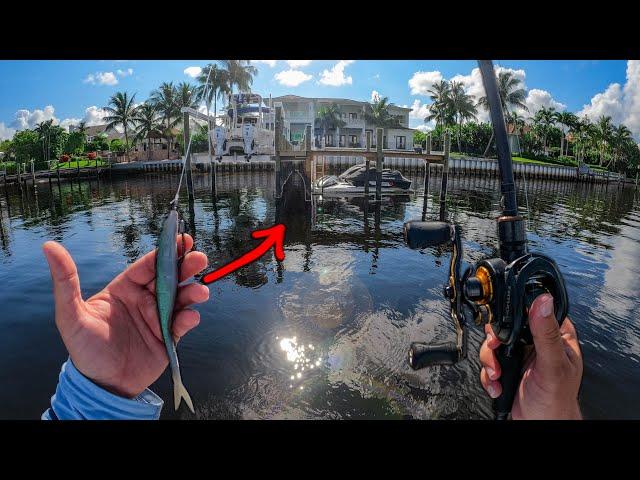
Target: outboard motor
<point>220,141</point>
<point>248,133</point>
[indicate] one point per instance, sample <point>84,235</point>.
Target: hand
<point>552,368</point>
<point>114,337</point>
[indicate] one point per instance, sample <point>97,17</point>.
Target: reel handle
<point>423,355</point>
<point>427,234</point>
<point>510,358</point>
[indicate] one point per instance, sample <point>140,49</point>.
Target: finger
<point>489,361</point>
<point>66,284</point>
<point>492,338</point>
<point>494,389</point>
<point>184,321</point>
<point>550,355</point>
<point>143,270</point>
<point>570,339</point>
<point>193,263</point>
<point>193,293</point>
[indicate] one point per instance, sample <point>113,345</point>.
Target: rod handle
<point>510,359</point>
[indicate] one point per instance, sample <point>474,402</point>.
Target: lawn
<point>83,164</point>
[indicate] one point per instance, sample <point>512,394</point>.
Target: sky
<point>71,91</point>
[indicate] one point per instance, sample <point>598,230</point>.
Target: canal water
<point>324,334</point>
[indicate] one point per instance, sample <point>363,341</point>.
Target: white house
<point>298,112</point>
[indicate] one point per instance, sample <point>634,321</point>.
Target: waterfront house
<point>298,112</point>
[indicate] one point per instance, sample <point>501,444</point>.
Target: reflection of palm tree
<point>511,96</point>
<point>329,118</point>
<point>121,111</point>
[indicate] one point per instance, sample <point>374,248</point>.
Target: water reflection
<point>336,316</point>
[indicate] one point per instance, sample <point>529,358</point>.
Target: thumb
<point>550,355</point>
<point>66,283</point>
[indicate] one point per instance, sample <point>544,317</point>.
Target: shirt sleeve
<point>78,398</point>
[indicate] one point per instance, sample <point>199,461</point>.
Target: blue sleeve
<point>78,398</point>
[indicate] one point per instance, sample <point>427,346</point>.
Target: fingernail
<point>492,391</point>
<point>491,372</point>
<point>546,309</point>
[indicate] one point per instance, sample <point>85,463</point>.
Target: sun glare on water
<point>303,357</point>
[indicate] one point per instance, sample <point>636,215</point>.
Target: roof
<point>347,101</point>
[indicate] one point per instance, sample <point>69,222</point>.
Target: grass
<point>83,163</point>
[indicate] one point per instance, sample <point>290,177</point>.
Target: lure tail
<point>179,393</point>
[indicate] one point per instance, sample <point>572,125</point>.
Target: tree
<point>75,143</point>
<point>377,113</point>
<point>147,124</point>
<point>214,84</point>
<point>568,120</point>
<point>121,111</point>
<point>440,108</point>
<point>329,118</point>
<point>512,96</point>
<point>462,106</point>
<point>81,127</point>
<point>240,74</point>
<point>621,135</point>
<point>165,99</point>
<point>26,145</point>
<point>543,121</point>
<point>603,133</point>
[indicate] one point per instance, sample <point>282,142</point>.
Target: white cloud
<point>24,118</point>
<point>292,78</point>
<point>536,99</point>
<point>376,76</point>
<point>192,72</point>
<point>6,133</point>
<point>94,116</point>
<point>125,73</point>
<point>418,110</point>
<point>425,127</point>
<point>67,122</point>
<point>336,77</point>
<point>298,63</point>
<point>375,96</point>
<point>621,103</point>
<point>271,63</point>
<point>421,82</point>
<point>102,78</point>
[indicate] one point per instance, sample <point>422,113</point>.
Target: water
<point>325,333</point>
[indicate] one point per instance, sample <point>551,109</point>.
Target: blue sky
<point>71,88</point>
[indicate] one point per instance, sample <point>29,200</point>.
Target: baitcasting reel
<point>489,291</point>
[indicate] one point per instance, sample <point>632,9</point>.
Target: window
<point>353,116</point>
<point>329,140</point>
<point>353,139</point>
<point>401,143</point>
<point>342,140</point>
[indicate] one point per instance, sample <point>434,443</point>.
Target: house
<point>93,131</point>
<point>298,112</point>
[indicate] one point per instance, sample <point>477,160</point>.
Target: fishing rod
<point>498,291</point>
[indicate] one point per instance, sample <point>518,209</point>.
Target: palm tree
<point>440,108</point>
<point>377,113</point>
<point>568,120</point>
<point>329,118</point>
<point>544,120</point>
<point>82,127</point>
<point>462,106</point>
<point>121,111</point>
<point>240,74</point>
<point>43,129</point>
<point>511,96</point>
<point>147,124</point>
<point>165,99</point>
<point>621,135</point>
<point>602,135</point>
<point>214,84</point>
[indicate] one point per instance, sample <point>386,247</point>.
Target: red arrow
<point>273,237</point>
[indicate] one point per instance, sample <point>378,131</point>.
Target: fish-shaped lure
<point>167,279</point>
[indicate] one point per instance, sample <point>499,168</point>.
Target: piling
<point>278,134</point>
<point>428,144</point>
<point>379,160</point>
<point>445,176</point>
<point>187,158</point>
<point>367,164</point>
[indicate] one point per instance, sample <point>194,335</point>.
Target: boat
<point>247,128</point>
<point>352,182</point>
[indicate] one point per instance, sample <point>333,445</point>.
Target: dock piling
<point>379,160</point>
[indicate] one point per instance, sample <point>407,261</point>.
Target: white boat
<point>247,128</point>
<point>352,183</point>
